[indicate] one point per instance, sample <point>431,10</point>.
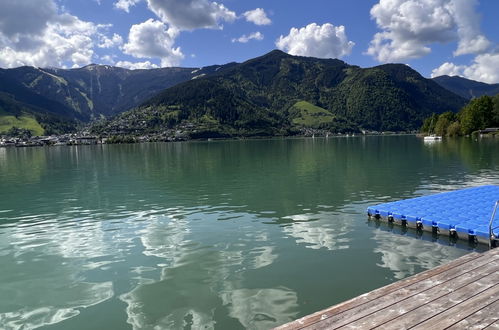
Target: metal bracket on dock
<point>419,224</point>
<point>493,238</point>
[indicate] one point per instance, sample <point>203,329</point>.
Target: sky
<point>435,37</point>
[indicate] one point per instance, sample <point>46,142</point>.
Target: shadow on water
<point>433,237</point>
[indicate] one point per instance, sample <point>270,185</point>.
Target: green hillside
<point>278,93</point>
<point>25,122</point>
<point>306,114</point>
<point>18,114</point>
<point>94,91</point>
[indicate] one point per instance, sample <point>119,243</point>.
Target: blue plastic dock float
<point>465,213</point>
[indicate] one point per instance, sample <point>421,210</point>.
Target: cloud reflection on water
<point>405,255</point>
<point>320,230</point>
<point>45,289</point>
<point>43,259</point>
<point>261,308</point>
<point>196,279</point>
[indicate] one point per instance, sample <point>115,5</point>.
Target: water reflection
<point>165,238</point>
<point>174,290</point>
<point>323,230</point>
<point>41,278</point>
<point>216,235</point>
<point>196,279</point>
<point>261,308</point>
<point>405,255</point>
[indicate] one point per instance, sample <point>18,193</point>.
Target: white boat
<point>433,138</point>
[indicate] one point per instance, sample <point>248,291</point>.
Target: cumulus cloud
<point>155,39</point>
<point>125,4</point>
<point>325,41</point>
<point>136,65</point>
<point>245,38</point>
<point>152,39</point>
<point>471,41</point>
<point>257,16</point>
<point>191,14</point>
<point>409,26</point>
<point>109,59</point>
<point>49,38</point>
<point>114,41</point>
<point>447,69</point>
<point>485,68</point>
<point>14,27</point>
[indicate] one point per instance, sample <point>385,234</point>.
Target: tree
<point>443,122</point>
<point>454,129</point>
<point>19,132</point>
<point>476,115</point>
<point>429,124</point>
<point>495,111</point>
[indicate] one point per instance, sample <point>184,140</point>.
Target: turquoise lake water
<point>216,235</point>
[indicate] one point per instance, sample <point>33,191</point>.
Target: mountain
<point>22,108</point>
<point>278,93</point>
<point>467,88</point>
<point>88,93</point>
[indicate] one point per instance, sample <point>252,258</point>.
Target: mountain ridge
<point>466,88</point>
<point>84,94</point>
<point>256,96</point>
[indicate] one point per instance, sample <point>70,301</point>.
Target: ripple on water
<point>59,293</point>
<point>211,241</point>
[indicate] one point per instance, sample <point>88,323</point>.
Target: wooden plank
<point>431,309</point>
<point>375,294</point>
<point>440,297</point>
<point>399,295</point>
<point>494,325</point>
<point>461,311</point>
<point>485,317</point>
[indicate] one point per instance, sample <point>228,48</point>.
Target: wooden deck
<point>462,294</point>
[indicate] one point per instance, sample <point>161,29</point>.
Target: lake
<point>220,234</point>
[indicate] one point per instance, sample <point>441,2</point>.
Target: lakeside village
<point>86,138</point>
<point>25,139</point>
<point>188,131</point>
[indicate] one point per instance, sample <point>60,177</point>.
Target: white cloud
<point>471,41</point>
<point>325,41</point>
<point>245,38</point>
<point>109,59</point>
<point>114,41</point>
<point>155,39</point>
<point>49,38</point>
<point>485,68</point>
<point>409,26</point>
<point>14,23</point>
<point>447,69</point>
<point>152,39</point>
<point>136,65</point>
<point>191,14</point>
<point>125,4</point>
<point>257,16</point>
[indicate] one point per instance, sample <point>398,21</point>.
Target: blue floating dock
<point>465,213</point>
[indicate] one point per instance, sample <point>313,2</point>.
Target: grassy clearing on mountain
<point>24,121</point>
<point>309,115</point>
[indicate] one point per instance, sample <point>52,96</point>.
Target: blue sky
<point>455,37</point>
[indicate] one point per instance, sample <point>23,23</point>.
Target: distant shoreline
<point>37,141</point>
